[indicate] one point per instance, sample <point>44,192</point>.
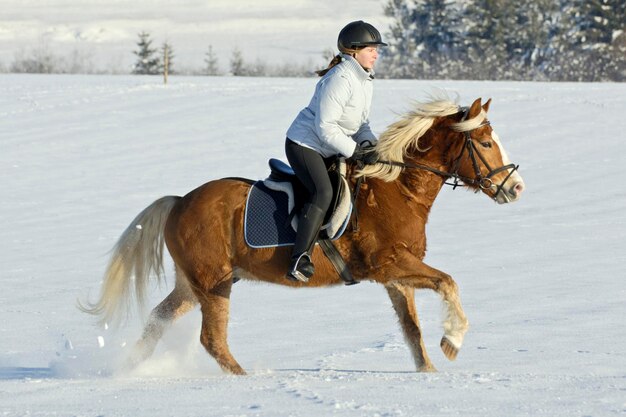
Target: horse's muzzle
<point>509,193</point>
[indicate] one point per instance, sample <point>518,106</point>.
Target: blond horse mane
<point>406,132</point>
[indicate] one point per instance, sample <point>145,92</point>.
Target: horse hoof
<point>237,370</point>
<point>427,368</point>
<point>449,349</point>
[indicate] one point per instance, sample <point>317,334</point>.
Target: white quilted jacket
<point>336,119</point>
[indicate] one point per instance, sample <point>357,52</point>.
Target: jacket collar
<point>356,68</point>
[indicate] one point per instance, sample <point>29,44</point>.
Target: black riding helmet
<point>357,34</point>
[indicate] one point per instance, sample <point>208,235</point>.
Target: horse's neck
<point>425,185</point>
<point>414,192</point>
<point>419,189</point>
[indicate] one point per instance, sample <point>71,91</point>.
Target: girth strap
<point>336,259</point>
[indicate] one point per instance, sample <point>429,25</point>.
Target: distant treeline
<point>538,40</point>
<point>555,40</point>
<point>149,61</point>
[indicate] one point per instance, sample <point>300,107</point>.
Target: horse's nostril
<point>519,188</point>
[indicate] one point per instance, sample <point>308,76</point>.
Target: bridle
<point>484,182</point>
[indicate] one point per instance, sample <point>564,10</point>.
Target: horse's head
<point>455,143</point>
<point>480,160</point>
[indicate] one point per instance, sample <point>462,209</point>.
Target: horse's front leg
<point>409,271</point>
<point>403,300</point>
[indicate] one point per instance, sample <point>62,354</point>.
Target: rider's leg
<point>311,170</point>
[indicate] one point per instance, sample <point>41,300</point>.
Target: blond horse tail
<point>137,255</point>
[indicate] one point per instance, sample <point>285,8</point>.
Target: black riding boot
<point>301,268</point>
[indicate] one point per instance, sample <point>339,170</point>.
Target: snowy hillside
<point>541,280</point>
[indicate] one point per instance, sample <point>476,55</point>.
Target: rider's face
<point>367,56</point>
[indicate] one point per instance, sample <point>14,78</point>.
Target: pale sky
<point>106,31</point>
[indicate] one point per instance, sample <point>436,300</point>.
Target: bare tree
<point>167,54</point>
<point>36,61</point>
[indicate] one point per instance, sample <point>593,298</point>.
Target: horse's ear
<point>486,106</point>
<point>475,109</point>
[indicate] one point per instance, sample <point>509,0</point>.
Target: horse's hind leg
<point>180,301</point>
<point>403,300</point>
<point>215,305</point>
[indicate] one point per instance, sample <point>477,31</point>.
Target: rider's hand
<point>366,154</point>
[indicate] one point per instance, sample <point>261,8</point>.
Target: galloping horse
<point>204,233</point>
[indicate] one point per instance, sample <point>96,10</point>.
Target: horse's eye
<point>485,144</point>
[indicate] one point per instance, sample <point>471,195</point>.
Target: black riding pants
<point>312,170</point>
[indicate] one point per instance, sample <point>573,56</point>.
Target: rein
<point>484,182</point>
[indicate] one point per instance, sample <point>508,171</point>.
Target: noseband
<point>484,182</point>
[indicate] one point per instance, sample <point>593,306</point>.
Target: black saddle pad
<point>267,222</point>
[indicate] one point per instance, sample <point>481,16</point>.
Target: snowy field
<point>541,280</point>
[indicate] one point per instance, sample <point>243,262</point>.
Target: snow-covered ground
<point>542,280</point>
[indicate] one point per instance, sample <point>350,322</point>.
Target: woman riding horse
<point>332,124</point>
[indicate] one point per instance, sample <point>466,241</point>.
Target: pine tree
<point>587,43</point>
<point>146,63</point>
<point>211,61</point>
<point>542,33</point>
<point>617,70</point>
<point>529,27</point>
<point>486,38</point>
<point>605,18</point>
<point>438,21</point>
<point>619,52</point>
<point>592,23</point>
<point>237,63</point>
<point>424,39</point>
<point>400,57</point>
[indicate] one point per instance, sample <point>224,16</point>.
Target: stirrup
<point>302,269</point>
<point>297,276</point>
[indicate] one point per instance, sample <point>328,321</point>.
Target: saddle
<point>282,178</point>
<point>273,204</point>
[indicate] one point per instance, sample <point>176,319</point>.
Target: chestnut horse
<point>204,233</point>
